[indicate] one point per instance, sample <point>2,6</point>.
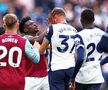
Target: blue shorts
<point>59,80</point>
<point>87,86</point>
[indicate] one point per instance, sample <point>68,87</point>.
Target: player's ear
<point>17,25</point>
<point>4,26</point>
<point>25,30</point>
<point>55,19</point>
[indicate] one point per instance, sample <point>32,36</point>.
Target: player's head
<point>10,21</point>
<point>87,17</point>
<point>27,25</point>
<point>57,15</point>
<point>49,20</point>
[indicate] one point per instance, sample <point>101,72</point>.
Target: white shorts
<point>36,83</point>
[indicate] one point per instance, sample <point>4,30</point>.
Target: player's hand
<point>72,86</point>
<point>36,45</point>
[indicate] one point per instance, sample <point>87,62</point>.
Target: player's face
<point>31,26</point>
<point>50,20</point>
<point>55,19</point>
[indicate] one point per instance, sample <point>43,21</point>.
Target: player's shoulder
<point>73,28</point>
<point>63,26</point>
<point>82,32</point>
<point>93,30</point>
<point>99,31</point>
<point>18,36</point>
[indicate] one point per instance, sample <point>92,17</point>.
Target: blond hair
<point>58,11</point>
<point>10,20</point>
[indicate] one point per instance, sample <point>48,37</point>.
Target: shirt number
<point>65,43</point>
<point>92,46</point>
<point>10,54</point>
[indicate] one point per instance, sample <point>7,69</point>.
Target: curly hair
<point>22,23</point>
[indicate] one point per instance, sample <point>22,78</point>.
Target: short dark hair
<point>87,16</point>
<point>22,23</point>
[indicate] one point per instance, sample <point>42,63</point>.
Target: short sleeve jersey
<point>12,62</point>
<point>36,70</point>
<point>90,71</point>
<point>61,39</point>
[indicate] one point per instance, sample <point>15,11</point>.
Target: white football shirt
<point>90,71</point>
<point>61,39</point>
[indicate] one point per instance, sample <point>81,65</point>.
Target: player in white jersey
<point>60,36</point>
<point>87,73</point>
<point>102,47</point>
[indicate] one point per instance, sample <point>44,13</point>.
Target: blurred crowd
<point>38,10</point>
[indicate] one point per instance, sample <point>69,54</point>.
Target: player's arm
<point>79,61</point>
<point>104,61</point>
<point>40,37</point>
<point>43,47</point>
<point>32,53</point>
<point>30,38</point>
<point>47,40</point>
<point>103,45</point>
<point>79,45</point>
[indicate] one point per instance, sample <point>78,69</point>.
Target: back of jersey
<point>90,71</point>
<point>62,47</point>
<point>12,61</point>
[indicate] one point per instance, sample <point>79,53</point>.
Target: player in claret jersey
<point>14,51</point>
<point>36,74</point>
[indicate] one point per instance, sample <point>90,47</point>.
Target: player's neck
<point>88,26</point>
<point>62,21</point>
<point>11,31</point>
<point>32,33</point>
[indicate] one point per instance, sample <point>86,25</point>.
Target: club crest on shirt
<point>77,41</point>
